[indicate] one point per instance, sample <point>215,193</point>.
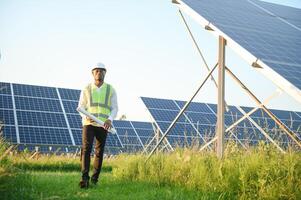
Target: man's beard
<point>101,78</point>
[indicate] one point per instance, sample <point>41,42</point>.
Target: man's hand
<point>107,125</point>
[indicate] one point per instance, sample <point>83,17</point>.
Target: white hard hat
<point>99,66</point>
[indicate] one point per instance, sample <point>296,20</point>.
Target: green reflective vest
<point>99,102</point>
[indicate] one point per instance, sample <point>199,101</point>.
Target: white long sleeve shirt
<point>83,101</point>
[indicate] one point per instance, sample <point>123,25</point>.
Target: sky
<point>144,44</point>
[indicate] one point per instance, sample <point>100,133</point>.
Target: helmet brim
<point>104,69</point>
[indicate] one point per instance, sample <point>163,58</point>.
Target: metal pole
<point>278,122</point>
<point>180,113</point>
<point>221,98</point>
<point>261,130</point>
<point>251,111</point>
<point>200,52</point>
<point>157,140</point>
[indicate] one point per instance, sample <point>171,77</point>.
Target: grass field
<point>260,173</point>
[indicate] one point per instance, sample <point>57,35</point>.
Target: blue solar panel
<point>142,125</point>
<point>122,124</point>
<point>144,130</point>
<point>289,118</point>
<point>112,141</point>
<point>203,121</point>
<point>130,140</point>
<point>7,117</point>
<point>27,103</point>
<point>127,135</point>
<point>290,14</point>
<point>70,106</point>
<point>37,135</point>
<point>9,133</point>
<point>5,88</point>
<point>77,135</point>
<point>166,115</point>
<point>41,119</point>
<point>281,114</point>
<point>159,103</point>
<point>75,120</point>
<point>125,132</point>
<point>34,91</point>
<point>201,118</point>
<point>69,94</point>
<point>6,102</point>
<point>267,31</point>
<point>193,106</point>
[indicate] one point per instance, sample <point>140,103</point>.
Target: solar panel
<point>6,102</point>
<point>29,118</point>
<point>195,119</point>
<point>35,91</point>
<point>70,106</point>
<point>128,136</point>
<point>47,118</point>
<point>40,116</point>
<point>5,88</point>
<point>69,94</point>
<point>28,103</point>
<point>37,135</point>
<point>201,118</point>
<point>9,133</point>
<point>7,117</point>
<point>262,33</point>
<point>290,14</point>
<point>144,130</point>
<point>75,120</point>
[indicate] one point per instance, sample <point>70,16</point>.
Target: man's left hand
<point>107,125</point>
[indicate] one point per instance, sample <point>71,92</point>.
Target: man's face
<point>99,74</point>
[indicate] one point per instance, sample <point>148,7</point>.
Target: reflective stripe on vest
<point>99,103</point>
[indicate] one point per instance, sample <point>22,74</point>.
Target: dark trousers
<point>89,132</point>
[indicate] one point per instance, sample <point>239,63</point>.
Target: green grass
<point>259,173</point>
<point>63,185</point>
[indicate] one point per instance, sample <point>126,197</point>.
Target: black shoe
<point>84,184</point>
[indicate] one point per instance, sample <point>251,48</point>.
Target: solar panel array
<point>270,32</point>
<point>197,123</point>
<point>47,116</point>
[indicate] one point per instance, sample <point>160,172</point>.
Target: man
<point>99,99</point>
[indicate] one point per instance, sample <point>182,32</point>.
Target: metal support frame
<point>246,116</point>
<point>290,133</point>
<point>137,135</point>
<point>181,111</point>
<point>221,102</point>
<point>157,136</point>
<point>199,51</point>
<point>220,133</point>
<point>262,131</point>
<point>251,112</point>
<point>155,129</point>
<point>15,113</point>
<point>279,123</point>
<point>190,122</point>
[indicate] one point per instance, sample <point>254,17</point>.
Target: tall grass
<point>260,173</point>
